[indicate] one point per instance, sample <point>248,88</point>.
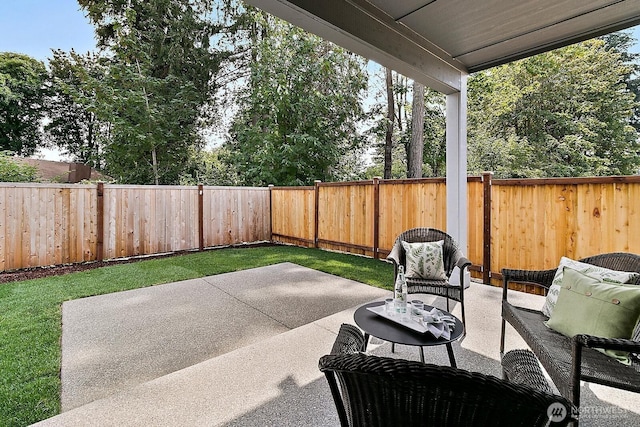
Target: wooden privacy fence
<point>512,223</point>
<point>534,222</point>
<point>528,223</point>
<point>47,224</point>
<point>362,217</point>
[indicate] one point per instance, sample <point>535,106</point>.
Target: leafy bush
<point>14,171</point>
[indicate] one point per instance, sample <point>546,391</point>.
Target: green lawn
<point>30,312</point>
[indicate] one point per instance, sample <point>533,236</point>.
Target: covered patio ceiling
<point>434,41</point>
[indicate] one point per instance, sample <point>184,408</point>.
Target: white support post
<point>457,210</point>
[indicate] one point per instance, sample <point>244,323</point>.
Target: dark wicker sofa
<point>568,360</point>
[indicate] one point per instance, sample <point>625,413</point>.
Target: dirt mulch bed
<point>58,270</point>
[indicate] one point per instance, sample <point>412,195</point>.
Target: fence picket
<point>531,223</point>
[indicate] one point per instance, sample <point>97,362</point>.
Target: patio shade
<point>434,41</point>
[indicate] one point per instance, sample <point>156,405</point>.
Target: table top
<point>391,331</point>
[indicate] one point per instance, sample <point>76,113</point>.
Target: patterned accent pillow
<point>600,273</point>
<point>425,260</point>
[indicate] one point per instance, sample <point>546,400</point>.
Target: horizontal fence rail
<point>47,224</point>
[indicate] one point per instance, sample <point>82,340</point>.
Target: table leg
<point>452,358</point>
<point>366,341</point>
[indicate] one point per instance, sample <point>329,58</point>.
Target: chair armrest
<point>539,278</point>
<point>463,263</point>
<point>396,253</point>
<point>591,341</point>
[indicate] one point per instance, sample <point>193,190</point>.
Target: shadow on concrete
<point>312,404</point>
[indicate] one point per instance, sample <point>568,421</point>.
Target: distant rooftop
<point>68,172</point>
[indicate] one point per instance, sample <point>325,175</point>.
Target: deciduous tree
<point>22,97</point>
<point>73,124</point>
<point>299,110</point>
<point>157,85</point>
<point>12,170</point>
<point>563,113</point>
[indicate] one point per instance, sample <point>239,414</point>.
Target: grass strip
<point>31,312</point>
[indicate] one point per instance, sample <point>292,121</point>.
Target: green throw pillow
<point>601,273</point>
<point>589,306</point>
<point>424,260</point>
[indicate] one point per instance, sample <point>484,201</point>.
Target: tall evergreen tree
<point>390,121</point>
<point>621,42</point>
<point>563,113</point>
<point>418,124</point>
<point>415,149</point>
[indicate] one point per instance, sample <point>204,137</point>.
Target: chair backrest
<point>349,340</point>
<point>380,391</point>
<point>620,261</point>
<point>450,250</point>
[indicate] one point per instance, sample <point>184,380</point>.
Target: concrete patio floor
<point>242,349</point>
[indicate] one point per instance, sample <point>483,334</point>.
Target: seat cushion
<point>424,260</point>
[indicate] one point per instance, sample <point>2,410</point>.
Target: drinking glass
<point>389,306</point>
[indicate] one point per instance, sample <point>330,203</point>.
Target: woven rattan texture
<point>555,351</point>
<point>378,391</point>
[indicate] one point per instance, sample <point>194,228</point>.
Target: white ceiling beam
<point>363,29</point>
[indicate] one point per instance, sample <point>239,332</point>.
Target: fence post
<point>100,222</point>
<point>271,212</point>
<point>316,185</point>
<point>200,216</point>
<point>376,216</point>
<point>486,235</point>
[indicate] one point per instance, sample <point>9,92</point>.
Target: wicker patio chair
<point>453,257</point>
<point>378,391</point>
<point>568,360</point>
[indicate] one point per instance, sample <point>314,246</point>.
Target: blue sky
<point>33,27</point>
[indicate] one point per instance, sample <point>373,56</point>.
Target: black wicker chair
<point>453,257</point>
<point>568,360</point>
<point>378,391</point>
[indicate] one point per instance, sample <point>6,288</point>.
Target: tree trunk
<point>416,145</point>
<point>154,164</point>
<point>388,143</point>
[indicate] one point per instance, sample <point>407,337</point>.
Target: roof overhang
<point>435,42</point>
